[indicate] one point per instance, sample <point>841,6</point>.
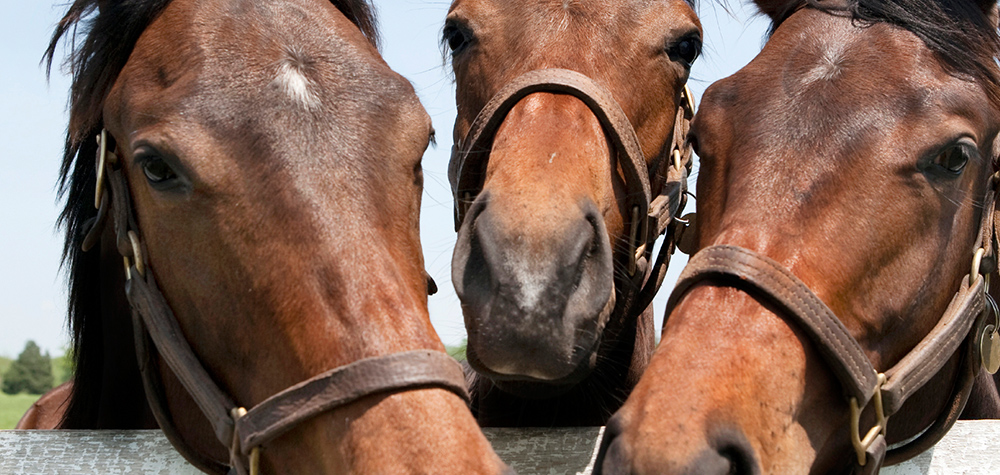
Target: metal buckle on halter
<point>688,98</point>
<point>861,445</point>
<point>636,251</point>
<point>106,158</point>
<point>95,225</point>
<point>236,413</point>
<point>140,266</point>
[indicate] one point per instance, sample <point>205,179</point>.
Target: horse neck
<point>623,356</point>
<point>107,386</point>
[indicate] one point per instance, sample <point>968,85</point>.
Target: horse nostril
<point>611,456</point>
<point>733,455</point>
<point>740,462</point>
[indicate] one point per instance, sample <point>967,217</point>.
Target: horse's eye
<point>157,170</point>
<point>686,50</point>
<point>953,160</point>
<point>457,37</point>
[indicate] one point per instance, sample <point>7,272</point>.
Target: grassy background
<point>13,407</point>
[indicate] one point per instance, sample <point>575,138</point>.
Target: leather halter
<point>652,211</point>
<point>242,432</point>
<point>963,321</point>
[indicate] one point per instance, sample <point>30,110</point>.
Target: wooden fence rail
<point>971,448</point>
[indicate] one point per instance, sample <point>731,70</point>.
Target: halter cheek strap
<point>651,214</point>
<point>863,386</point>
<point>243,432</point>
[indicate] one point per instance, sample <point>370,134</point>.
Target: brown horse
<point>261,168</point>
<point>846,183</point>
<point>552,184</point>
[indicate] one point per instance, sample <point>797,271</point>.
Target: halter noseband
<point>242,432</point>
<point>964,320</point>
<point>651,215</point>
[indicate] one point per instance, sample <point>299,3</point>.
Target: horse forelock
<point>109,30</point>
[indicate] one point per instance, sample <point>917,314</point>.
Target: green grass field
<point>13,407</point>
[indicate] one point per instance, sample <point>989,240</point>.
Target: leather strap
<point>470,155</point>
<point>173,347</point>
<point>155,322</point>
<point>842,353</point>
<point>655,212</point>
<point>340,386</point>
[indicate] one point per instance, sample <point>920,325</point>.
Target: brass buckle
<point>688,99</point>
<point>140,266</point>
<point>977,262</point>
<point>236,413</point>
<point>636,250</point>
<point>104,158</point>
<point>861,444</point>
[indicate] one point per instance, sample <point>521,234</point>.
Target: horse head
<point>265,162</point>
<point>846,183</point>
<point>577,103</point>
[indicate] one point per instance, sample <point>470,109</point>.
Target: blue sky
<point>32,288</point>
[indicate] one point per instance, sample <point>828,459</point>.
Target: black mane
<point>958,31</point>
<point>110,30</point>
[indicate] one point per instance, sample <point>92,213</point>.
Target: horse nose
<point>729,453</point>
<point>612,457</point>
<point>533,296</point>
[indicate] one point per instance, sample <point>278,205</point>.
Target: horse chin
<point>529,382</point>
<point>529,385</point>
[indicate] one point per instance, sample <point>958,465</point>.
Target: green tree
<point>458,352</point>
<point>31,372</point>
<point>63,366</point>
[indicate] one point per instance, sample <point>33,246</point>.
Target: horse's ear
<point>776,10</point>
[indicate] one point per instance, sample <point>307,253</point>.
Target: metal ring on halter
<point>689,97</point>
<point>977,261</point>
<point>987,340</point>
<point>137,253</point>
<point>632,240</point>
<point>102,147</point>
<point>861,445</point>
<point>236,413</point>
<point>993,306</point>
<point>677,158</point>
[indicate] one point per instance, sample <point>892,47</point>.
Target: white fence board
<point>971,448</point>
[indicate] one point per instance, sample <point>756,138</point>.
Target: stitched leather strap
<point>930,355</point>
<point>346,384</point>
<point>470,156</point>
<point>961,322</point>
<point>846,358</point>
<point>173,347</point>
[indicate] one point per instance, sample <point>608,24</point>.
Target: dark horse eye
<point>456,37</point>
<point>953,160</point>
<point>686,50</point>
<point>157,170</point>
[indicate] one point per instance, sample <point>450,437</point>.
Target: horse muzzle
<point>535,305</point>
